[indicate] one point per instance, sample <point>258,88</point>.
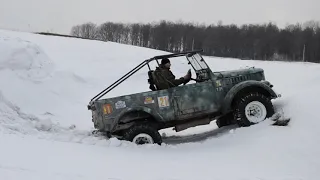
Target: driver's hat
<point>165,61</point>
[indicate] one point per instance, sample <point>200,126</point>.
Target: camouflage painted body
<point>199,102</point>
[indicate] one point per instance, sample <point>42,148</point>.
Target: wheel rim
<point>255,112</point>
<point>143,139</point>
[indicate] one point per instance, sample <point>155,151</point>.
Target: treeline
<point>295,42</point>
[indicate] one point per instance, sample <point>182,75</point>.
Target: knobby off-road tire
<point>260,105</point>
<point>143,134</point>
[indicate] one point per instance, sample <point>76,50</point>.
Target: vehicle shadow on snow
<point>198,137</point>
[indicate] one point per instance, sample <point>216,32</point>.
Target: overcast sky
<point>60,15</point>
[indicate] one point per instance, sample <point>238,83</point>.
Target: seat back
<point>152,80</point>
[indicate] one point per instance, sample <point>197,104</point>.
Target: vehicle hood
<point>237,72</point>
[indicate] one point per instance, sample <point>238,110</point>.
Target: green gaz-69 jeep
<point>240,97</point>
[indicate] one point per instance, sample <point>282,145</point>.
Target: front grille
<point>237,79</point>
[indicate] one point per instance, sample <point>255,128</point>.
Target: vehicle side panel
<point>156,103</point>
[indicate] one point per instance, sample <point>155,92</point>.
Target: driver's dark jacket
<point>164,78</point>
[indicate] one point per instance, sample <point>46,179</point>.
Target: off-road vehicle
<point>240,97</point>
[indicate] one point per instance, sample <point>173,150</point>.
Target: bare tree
<point>105,31</point>
<point>88,30</point>
<point>76,31</point>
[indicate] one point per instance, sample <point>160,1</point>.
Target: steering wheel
<point>196,80</point>
<point>184,83</point>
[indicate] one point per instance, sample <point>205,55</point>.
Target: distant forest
<point>295,42</point>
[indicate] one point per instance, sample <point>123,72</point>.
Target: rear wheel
<point>252,108</point>
<point>143,134</point>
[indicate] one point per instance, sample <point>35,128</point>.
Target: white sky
<point>60,15</point>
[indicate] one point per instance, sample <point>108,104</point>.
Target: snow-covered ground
<point>46,83</point>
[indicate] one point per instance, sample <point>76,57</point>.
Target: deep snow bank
<point>25,59</point>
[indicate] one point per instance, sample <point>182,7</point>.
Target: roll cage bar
<point>137,68</point>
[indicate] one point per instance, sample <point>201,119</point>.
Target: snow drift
<point>46,83</point>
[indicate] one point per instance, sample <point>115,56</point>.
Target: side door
<point>193,100</point>
<point>163,104</point>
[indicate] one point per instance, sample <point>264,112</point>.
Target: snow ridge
<point>14,121</point>
<point>27,60</point>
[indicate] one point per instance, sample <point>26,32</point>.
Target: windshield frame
<point>197,62</point>
<point>201,68</point>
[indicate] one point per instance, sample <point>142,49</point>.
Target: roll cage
<point>200,68</point>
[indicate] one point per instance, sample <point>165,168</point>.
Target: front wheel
<point>252,108</point>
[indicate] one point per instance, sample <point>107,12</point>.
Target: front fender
<point>133,109</point>
<point>246,85</point>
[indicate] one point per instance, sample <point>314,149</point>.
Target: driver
<point>164,77</point>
